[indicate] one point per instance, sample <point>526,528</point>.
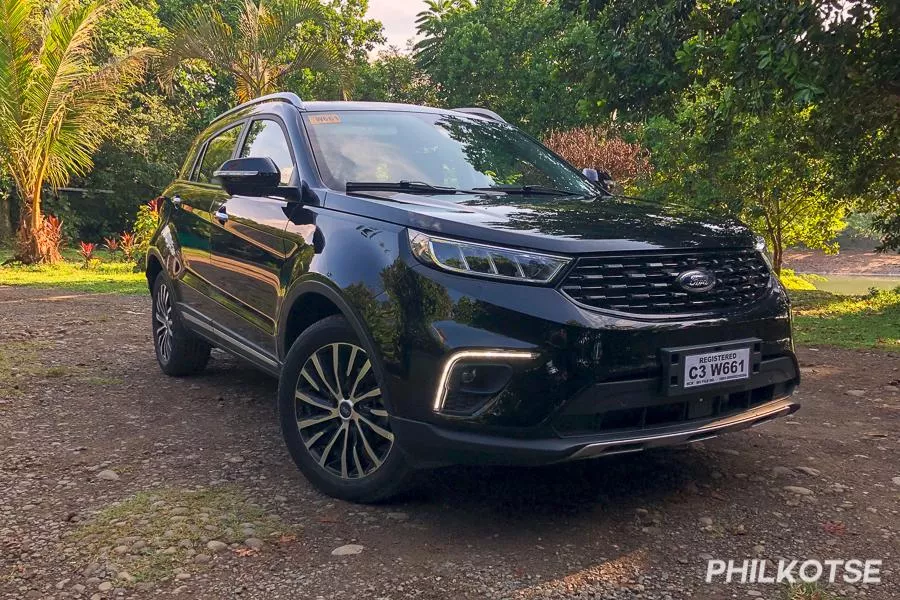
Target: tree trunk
<point>38,242</point>
<point>777,254</point>
<point>6,228</point>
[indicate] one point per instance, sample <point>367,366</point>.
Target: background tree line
<point>784,112</point>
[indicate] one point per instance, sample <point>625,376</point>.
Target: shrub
<point>111,243</point>
<point>599,147</point>
<point>128,245</point>
<point>86,249</point>
<point>144,227</point>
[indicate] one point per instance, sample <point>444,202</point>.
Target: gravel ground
<point>118,482</point>
<point>847,262</point>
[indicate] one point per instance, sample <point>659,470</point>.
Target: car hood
<point>552,223</point>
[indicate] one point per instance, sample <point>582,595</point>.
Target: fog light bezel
<point>496,356</point>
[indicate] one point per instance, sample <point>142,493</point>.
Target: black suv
<point>434,286</point>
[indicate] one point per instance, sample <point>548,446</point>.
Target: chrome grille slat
<point>644,283</point>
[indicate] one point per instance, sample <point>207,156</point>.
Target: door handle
<point>221,215</point>
<point>176,201</point>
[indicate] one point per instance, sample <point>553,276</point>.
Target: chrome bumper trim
<point>743,420</point>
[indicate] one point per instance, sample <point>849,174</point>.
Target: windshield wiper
<point>420,187</point>
<point>530,189</point>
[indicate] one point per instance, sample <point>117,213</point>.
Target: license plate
<point>716,367</point>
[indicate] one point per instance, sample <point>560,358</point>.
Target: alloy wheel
<point>163,324</point>
<point>340,412</point>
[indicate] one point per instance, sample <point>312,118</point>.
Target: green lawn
<point>111,275</point>
<point>824,319</point>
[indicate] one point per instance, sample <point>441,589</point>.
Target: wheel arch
<point>310,301</point>
<point>154,268</point>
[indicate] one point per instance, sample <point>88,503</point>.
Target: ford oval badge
<point>696,280</point>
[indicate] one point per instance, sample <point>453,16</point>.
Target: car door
<point>248,245</point>
<point>192,197</point>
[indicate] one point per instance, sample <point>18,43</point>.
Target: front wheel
<point>334,418</point>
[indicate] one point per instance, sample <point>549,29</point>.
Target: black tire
<point>178,351</point>
<point>343,448</point>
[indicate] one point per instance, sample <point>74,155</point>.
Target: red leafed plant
<point>48,239</point>
<point>86,249</point>
<point>111,243</point>
<point>599,147</point>
<point>127,244</point>
<point>155,205</point>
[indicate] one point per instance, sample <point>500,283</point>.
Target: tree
<point>767,169</point>
<point>260,51</point>
<point>55,101</point>
<point>431,24</point>
<point>395,77</point>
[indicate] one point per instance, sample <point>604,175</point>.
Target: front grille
<point>671,413</point>
<point>645,282</point>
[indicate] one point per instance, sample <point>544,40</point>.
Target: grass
<point>172,525</point>
<point>110,276</point>
<point>871,321</point>
<point>18,360</point>
<point>808,591</point>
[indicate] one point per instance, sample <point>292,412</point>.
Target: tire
<point>335,421</point>
<point>178,351</point>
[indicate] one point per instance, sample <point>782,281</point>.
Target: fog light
<point>468,375</point>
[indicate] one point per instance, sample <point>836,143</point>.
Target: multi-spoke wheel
<point>334,416</point>
<point>178,351</point>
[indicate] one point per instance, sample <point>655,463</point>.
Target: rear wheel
<point>178,351</point>
<point>334,416</point>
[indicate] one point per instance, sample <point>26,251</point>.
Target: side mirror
<point>253,176</point>
<point>591,175</point>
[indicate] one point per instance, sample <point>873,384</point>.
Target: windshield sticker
<point>324,119</point>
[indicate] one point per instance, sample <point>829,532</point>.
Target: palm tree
<point>55,102</point>
<point>430,24</point>
<point>260,51</point>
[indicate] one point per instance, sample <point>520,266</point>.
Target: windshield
<point>436,149</point>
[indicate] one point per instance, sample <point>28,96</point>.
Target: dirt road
<point>118,482</point>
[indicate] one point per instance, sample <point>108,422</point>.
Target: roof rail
<point>481,112</point>
<point>289,97</point>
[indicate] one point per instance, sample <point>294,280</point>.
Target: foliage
<point>111,243</point>
<point>792,281</point>
<point>128,244</point>
<point>599,147</point>
<point>86,249</point>
<point>867,321</point>
<point>55,101</point>
<point>259,51</point>
<point>768,169</point>
<point>394,76</point>
<point>145,226</point>
<point>431,25</point>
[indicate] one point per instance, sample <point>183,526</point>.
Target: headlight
<point>761,247</point>
<point>485,261</point>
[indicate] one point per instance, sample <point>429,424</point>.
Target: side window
<point>188,170</point>
<point>266,139</point>
<point>218,150</point>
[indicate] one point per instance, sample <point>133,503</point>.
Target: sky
<point>398,18</point>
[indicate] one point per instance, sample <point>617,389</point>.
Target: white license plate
<point>716,367</point>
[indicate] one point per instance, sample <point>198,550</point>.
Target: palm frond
<point>200,34</point>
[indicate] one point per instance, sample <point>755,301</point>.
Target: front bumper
<point>427,444</point>
<point>582,384</point>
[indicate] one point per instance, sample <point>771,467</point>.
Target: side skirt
<point>229,341</point>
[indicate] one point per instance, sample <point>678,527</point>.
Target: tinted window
<point>218,150</point>
<point>266,139</point>
<point>440,149</point>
